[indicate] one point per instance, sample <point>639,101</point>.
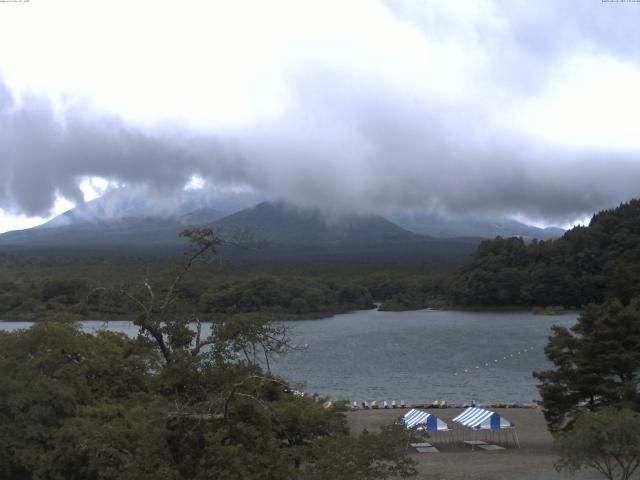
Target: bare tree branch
<point>240,384</point>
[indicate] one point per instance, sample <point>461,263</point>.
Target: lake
<point>417,356</point>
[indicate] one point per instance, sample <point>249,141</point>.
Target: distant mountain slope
<point>197,206</point>
<point>134,221</point>
<point>139,221</point>
<point>287,224</point>
<point>201,216</point>
<point>283,232</point>
<point>211,205</point>
<point>438,226</point>
<point>126,235</point>
<point>289,232</point>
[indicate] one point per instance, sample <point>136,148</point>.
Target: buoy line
<point>495,362</point>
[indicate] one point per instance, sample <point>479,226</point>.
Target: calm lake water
<point>416,356</point>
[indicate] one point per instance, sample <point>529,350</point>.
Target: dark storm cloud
<point>45,153</point>
<point>379,148</point>
<point>373,150</point>
<point>358,141</point>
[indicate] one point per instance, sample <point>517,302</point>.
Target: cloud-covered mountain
<point>142,221</point>
<point>487,108</point>
<point>290,225</point>
<point>282,232</point>
<point>290,233</point>
<point>439,226</point>
<point>188,207</point>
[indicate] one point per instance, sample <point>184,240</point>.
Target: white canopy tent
<point>425,421</point>
<point>419,418</point>
<point>479,419</point>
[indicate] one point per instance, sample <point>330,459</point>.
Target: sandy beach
<point>533,461</point>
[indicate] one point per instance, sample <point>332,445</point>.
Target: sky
<point>482,108</point>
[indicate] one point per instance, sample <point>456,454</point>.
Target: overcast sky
<point>485,107</point>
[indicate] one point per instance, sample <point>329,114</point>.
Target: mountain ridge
<point>142,222</point>
<point>283,231</point>
<point>442,227</point>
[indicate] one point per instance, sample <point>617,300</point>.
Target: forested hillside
<point>36,288</point>
<point>587,264</point>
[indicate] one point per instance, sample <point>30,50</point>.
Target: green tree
<point>596,363</point>
<point>367,457</point>
<point>231,419</point>
<point>158,321</point>
<point>607,441</point>
<point>586,265</point>
<point>79,406</point>
<point>172,404</point>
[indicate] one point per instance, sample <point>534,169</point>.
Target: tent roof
<point>414,418</point>
<point>481,419</point>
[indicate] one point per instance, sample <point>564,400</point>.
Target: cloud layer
<point>481,108</point>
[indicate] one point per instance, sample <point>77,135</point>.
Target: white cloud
<point>468,107</point>
<point>196,183</point>
<point>594,103</point>
<point>12,221</point>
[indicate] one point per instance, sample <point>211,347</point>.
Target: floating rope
<point>498,360</point>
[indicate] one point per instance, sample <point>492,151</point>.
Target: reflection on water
<point>417,356</point>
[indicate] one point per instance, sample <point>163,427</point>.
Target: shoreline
<point>456,460</point>
<point>439,405</point>
<point>312,316</point>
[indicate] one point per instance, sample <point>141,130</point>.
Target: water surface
<point>422,355</point>
<point>417,356</point>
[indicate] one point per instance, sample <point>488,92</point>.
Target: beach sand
<point>533,461</point>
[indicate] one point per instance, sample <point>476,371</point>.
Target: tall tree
<point>607,441</point>
<point>229,417</point>
<point>596,363</point>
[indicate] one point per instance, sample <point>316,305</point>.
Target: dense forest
<point>586,265</point>
<point>102,406</point>
<point>36,288</point>
<point>172,403</point>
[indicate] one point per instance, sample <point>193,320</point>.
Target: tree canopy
<point>586,265</point>
<point>607,441</point>
<point>171,404</point>
<point>596,363</point>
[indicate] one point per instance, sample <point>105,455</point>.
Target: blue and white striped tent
<point>419,418</point>
<point>481,419</point>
